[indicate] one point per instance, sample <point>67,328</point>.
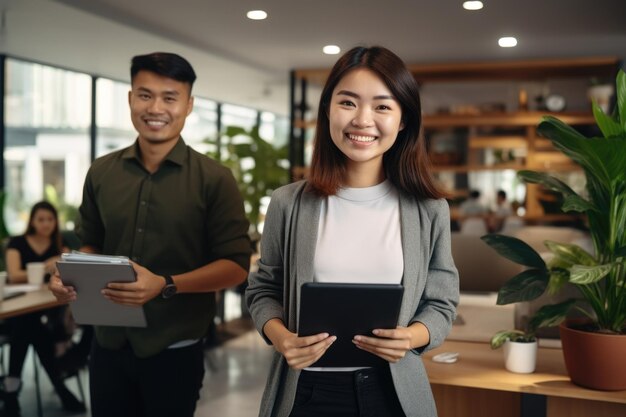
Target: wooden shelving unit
<point>514,131</point>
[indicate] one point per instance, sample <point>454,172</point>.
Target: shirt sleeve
<point>90,229</point>
<point>227,223</point>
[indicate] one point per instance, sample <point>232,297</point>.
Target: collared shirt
<point>183,216</point>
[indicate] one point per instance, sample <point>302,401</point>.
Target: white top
<point>359,240</point>
<point>359,237</point>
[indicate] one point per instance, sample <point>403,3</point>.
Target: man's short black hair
<point>165,64</point>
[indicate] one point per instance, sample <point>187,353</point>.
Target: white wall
<point>53,33</point>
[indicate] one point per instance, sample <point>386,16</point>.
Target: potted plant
<point>258,166</point>
<point>520,346</point>
<point>600,277</point>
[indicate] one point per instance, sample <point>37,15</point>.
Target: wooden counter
<point>478,385</point>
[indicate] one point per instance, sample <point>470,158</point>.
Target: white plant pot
<point>520,357</point>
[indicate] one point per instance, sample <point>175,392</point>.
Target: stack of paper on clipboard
<point>89,274</point>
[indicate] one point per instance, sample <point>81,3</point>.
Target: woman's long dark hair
<point>406,163</point>
<point>55,238</point>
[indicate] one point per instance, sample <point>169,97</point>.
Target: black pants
<point>29,330</point>
<point>364,393</point>
<point>164,385</point>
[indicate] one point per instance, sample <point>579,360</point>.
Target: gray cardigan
<point>431,288</point>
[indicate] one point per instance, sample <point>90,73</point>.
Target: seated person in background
<point>472,206</point>
<point>501,211</point>
<point>41,243</point>
<point>503,207</point>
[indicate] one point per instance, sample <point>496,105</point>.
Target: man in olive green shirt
<point>179,216</point>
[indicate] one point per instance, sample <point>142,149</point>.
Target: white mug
<point>36,271</point>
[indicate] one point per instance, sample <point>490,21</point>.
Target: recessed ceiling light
<point>472,5</point>
<point>331,49</point>
<point>507,42</point>
<point>256,14</point>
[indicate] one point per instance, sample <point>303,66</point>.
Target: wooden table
<point>478,385</point>
<point>27,303</point>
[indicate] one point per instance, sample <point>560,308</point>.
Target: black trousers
<point>364,393</point>
<point>164,385</point>
<point>29,330</point>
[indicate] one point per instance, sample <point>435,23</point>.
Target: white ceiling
<point>420,31</point>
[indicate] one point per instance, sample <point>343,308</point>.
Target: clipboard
<point>88,278</point>
<point>345,310</point>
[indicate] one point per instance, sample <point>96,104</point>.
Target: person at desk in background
<point>179,217</point>
<point>501,211</point>
<point>473,215</point>
<point>43,329</point>
<point>369,213</point>
<point>472,206</point>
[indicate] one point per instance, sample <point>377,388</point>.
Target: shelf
<point>467,168</point>
<point>587,67</point>
<point>502,119</point>
<point>519,119</point>
<point>304,124</point>
<point>497,142</point>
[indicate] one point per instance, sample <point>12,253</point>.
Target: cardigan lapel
<point>306,239</point>
<point>413,242</point>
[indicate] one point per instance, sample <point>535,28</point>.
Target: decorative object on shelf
<point>601,276</point>
<point>555,102</point>
<point>522,100</point>
<point>601,95</point>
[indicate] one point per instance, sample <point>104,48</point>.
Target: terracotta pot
<point>594,360</point>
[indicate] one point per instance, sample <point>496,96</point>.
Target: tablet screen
<point>345,310</point>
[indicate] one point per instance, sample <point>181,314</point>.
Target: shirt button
<point>140,230</point>
<point>143,202</point>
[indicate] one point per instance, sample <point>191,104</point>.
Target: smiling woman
<point>365,119</point>
<point>369,204</point>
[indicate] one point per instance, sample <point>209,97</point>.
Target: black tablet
<point>345,310</point>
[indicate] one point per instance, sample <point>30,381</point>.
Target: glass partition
<point>46,154</point>
<point>115,129</point>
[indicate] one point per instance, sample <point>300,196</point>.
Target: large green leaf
<point>547,181</point>
<point>585,275</point>
<point>577,203</point>
<point>570,253</point>
<point>607,125</point>
<point>603,158</point>
<point>515,250</point>
<point>558,277</point>
<point>621,98</point>
<point>524,286</point>
<point>550,315</point>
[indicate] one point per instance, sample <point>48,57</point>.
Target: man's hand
<point>62,293</point>
<point>147,286</point>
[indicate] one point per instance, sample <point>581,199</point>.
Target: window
<point>115,129</point>
<point>47,142</point>
<point>201,126</point>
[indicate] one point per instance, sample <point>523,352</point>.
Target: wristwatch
<point>169,289</point>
